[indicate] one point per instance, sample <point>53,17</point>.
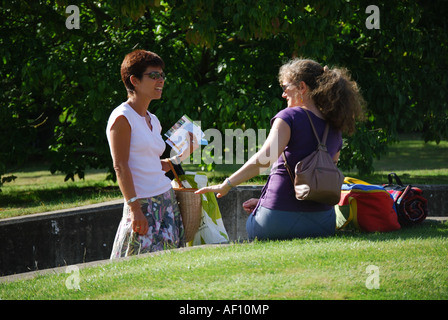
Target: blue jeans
<point>278,225</point>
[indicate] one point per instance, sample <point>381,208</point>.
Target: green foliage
<point>59,85</point>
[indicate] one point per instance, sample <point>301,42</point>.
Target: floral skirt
<point>166,230</point>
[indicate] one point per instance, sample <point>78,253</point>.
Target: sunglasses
<point>156,75</point>
<point>285,86</point>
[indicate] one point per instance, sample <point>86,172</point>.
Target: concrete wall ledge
<point>85,234</point>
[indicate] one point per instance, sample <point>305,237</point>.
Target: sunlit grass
<point>414,161</point>
<point>410,264</point>
<point>36,190</point>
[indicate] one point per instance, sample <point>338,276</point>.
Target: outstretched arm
<point>270,151</point>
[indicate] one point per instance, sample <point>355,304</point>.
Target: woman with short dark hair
<point>151,218</point>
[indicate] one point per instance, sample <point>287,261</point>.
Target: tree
<point>222,62</point>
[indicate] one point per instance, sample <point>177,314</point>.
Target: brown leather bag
<point>317,178</point>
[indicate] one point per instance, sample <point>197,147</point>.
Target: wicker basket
<point>190,206</point>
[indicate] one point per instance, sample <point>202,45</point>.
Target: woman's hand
<point>177,159</point>
<point>139,222</point>
<point>221,190</point>
<point>250,205</point>
<point>165,165</point>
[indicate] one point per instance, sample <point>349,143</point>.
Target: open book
<point>179,137</point>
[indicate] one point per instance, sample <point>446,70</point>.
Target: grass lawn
<point>37,190</point>
<point>415,161</point>
<point>406,264</point>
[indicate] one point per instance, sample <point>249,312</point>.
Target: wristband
<point>131,200</point>
<point>228,182</point>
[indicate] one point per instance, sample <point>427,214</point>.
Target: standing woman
<point>151,219</point>
<point>328,96</point>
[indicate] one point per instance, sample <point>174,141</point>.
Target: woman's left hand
<point>165,165</point>
<point>250,205</point>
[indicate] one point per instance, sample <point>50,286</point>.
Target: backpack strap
<point>321,144</point>
<point>288,168</point>
<point>392,175</point>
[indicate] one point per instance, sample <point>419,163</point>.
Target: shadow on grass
<point>426,230</point>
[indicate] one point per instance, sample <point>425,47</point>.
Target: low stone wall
<point>437,196</point>
<point>80,235</point>
<point>59,238</point>
<point>233,215</point>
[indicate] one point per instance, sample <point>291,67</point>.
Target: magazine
<point>178,134</point>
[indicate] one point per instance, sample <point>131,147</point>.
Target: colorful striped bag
<point>366,207</point>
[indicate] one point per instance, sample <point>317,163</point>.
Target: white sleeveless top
<point>144,155</point>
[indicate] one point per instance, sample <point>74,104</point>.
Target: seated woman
<point>330,96</point>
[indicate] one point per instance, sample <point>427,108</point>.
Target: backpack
<point>366,207</point>
<point>317,178</point>
<point>411,206</point>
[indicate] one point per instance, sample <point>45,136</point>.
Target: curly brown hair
<point>333,91</point>
<point>136,63</point>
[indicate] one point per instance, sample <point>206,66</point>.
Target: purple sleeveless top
<point>278,193</point>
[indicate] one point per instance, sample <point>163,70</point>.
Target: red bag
<point>411,206</point>
<point>370,207</point>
